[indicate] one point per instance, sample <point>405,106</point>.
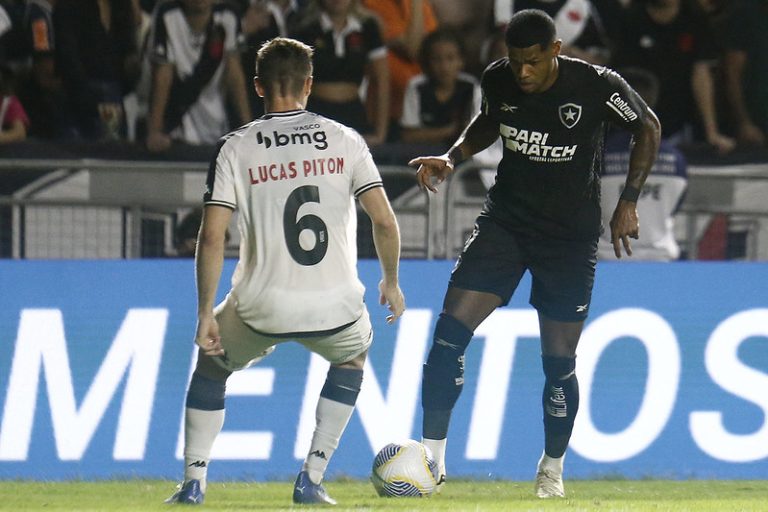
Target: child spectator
<point>13,119</point>
<point>439,103</point>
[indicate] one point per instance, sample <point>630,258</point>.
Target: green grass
<point>603,495</point>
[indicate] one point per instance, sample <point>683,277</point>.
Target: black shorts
<point>563,271</point>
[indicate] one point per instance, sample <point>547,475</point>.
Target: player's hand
<point>391,296</point>
<point>207,336</point>
<point>432,170</point>
<point>624,225</point>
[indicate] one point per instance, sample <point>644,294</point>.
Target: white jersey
<point>293,177</point>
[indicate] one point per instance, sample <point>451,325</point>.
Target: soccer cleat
<point>188,493</point>
<point>307,493</point>
<point>440,482</point>
<point>549,484</point>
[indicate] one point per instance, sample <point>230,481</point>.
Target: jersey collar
<point>288,113</point>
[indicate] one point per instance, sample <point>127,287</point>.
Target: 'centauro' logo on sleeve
<point>535,145</point>
<point>621,107</point>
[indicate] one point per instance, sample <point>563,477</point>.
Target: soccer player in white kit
<point>293,176</point>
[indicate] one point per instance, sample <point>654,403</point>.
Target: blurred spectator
<point>674,40</point>
<point>493,49</point>
<point>6,27</point>
<point>348,48</point>
<point>746,69</point>
<point>12,47</point>
<point>577,21</point>
<point>612,16</point>
<point>97,60</point>
<point>185,235</point>
<point>405,24</point>
<point>661,195</point>
<point>13,119</point>
<point>193,47</point>
<point>262,20</point>
<point>42,92</point>
<point>473,24</point>
<point>439,103</point>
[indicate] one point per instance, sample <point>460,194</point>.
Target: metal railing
<point>94,208</point>
<point>99,208</point>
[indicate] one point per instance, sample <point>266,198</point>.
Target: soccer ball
<point>406,468</point>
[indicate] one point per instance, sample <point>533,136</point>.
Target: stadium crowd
<point>155,73</point>
<point>164,79</point>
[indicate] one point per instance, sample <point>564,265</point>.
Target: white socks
<point>200,430</point>
<point>331,420</point>
<point>437,447</point>
<point>547,462</point>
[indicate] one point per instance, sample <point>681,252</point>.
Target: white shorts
<point>243,346</point>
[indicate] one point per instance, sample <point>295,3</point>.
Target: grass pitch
<point>357,495</point>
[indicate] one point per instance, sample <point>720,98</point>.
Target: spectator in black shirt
<point>348,49</point>
<point>674,40</point>
<point>98,61</point>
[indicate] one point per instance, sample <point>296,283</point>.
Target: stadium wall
<point>673,367</point>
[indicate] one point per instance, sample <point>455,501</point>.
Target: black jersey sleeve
<point>622,105</point>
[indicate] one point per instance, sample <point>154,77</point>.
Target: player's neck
<point>552,78</point>
<point>283,104</point>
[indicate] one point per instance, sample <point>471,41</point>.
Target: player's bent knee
<point>205,394</point>
<point>558,368</point>
<point>342,385</point>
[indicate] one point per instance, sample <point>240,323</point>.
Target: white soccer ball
<point>405,468</point>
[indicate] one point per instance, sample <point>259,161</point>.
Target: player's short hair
<point>282,66</point>
<point>644,82</point>
<point>530,27</point>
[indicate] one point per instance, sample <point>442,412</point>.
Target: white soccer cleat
<point>549,484</point>
<point>440,479</point>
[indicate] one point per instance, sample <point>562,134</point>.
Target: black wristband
<point>630,193</point>
<point>455,155</point>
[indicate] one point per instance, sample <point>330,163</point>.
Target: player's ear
<point>557,46</point>
<point>258,86</point>
<point>308,85</point>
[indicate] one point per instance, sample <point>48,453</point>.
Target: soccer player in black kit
<point>541,215</point>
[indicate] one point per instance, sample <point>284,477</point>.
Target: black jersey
<point>548,181</point>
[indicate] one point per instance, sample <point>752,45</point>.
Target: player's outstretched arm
<point>478,135</point>
<point>386,238</point>
<point>624,222</point>
<point>209,260</point>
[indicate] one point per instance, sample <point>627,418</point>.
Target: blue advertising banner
<point>95,357</point>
